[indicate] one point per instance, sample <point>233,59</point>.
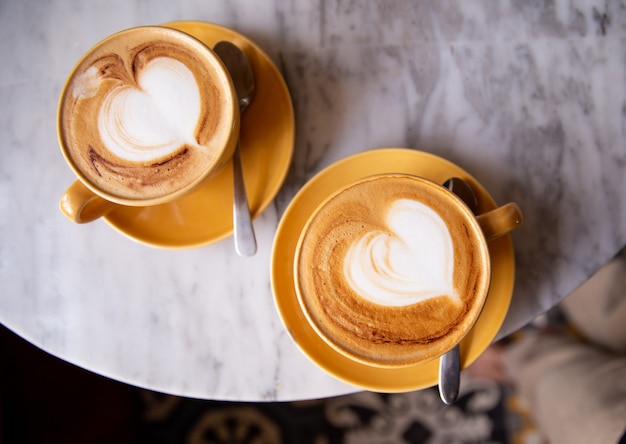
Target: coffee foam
<point>364,257</point>
<point>147,113</point>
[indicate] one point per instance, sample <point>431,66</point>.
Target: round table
<point>527,99</point>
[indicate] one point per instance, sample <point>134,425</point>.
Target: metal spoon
<point>450,363</point>
<point>243,78</point>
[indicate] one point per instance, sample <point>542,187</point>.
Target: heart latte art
<point>147,113</point>
<point>409,262</point>
<point>153,120</point>
<point>392,270</point>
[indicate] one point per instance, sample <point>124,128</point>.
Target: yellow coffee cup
<point>145,117</point>
<point>393,270</point>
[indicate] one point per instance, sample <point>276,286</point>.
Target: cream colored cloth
<point>576,390</point>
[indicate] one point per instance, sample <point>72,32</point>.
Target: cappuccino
<point>149,112</point>
<point>391,271</point>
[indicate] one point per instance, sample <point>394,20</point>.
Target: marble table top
<point>530,98</point>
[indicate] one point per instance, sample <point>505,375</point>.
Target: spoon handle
<point>245,240</point>
<point>450,375</point>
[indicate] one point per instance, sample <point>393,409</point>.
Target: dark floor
<point>46,400</point>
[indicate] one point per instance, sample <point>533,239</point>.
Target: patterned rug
<point>482,414</point>
<point>44,399</point>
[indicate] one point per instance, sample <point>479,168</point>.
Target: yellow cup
<point>393,270</point>
<point>145,117</point>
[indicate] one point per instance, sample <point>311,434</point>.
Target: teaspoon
<point>242,76</point>
<point>450,362</point>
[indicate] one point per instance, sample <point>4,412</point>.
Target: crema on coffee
<point>147,113</point>
<point>392,270</point>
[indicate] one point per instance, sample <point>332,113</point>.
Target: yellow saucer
<point>386,160</point>
<point>267,139</point>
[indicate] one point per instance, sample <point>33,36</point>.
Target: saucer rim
<point>382,379</point>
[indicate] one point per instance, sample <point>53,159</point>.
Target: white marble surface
<point>529,97</point>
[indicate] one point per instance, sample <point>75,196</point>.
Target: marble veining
<point>529,97</point>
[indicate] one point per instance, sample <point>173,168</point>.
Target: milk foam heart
<point>153,121</point>
<point>411,263</point>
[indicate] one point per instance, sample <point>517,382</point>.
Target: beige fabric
<point>576,390</point>
<point>598,307</point>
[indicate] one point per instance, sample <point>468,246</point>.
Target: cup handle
<point>500,221</point>
<point>81,205</point>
